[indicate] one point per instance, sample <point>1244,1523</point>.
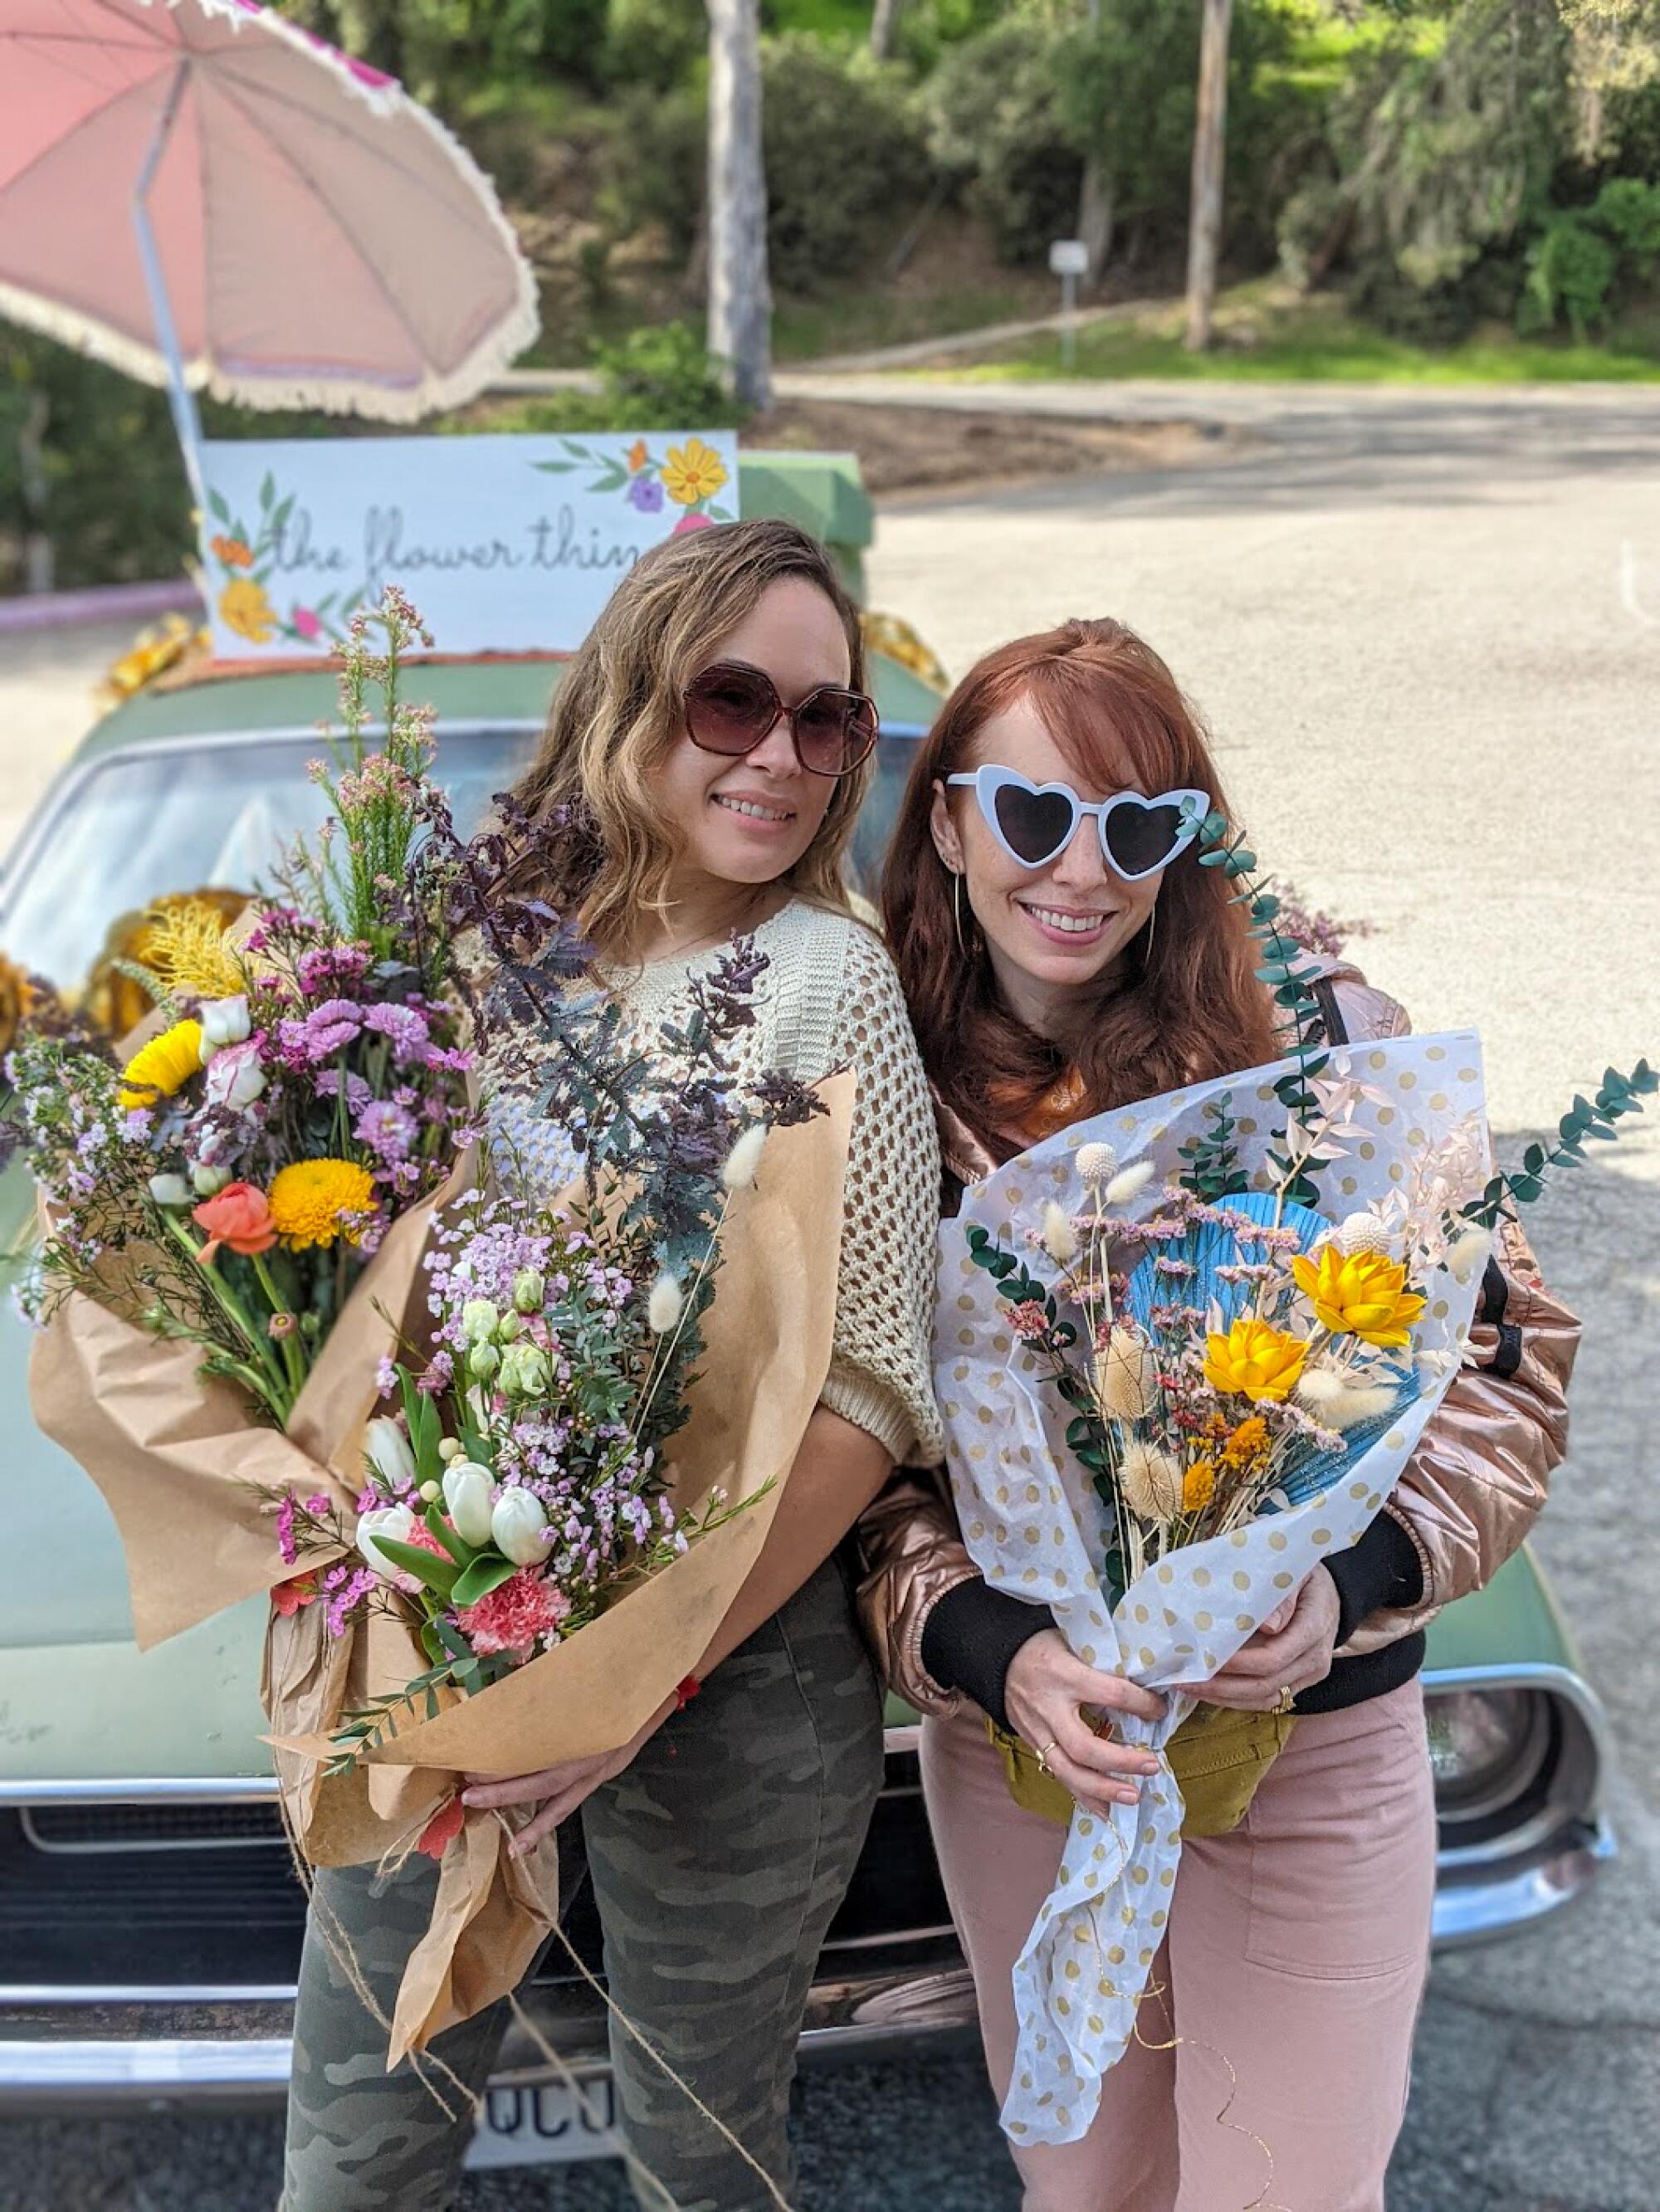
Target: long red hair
<point>1190,1007</point>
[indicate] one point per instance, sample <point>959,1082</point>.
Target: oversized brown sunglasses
<point>731,708</point>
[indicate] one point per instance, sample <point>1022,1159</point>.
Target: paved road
<point>1426,630</point>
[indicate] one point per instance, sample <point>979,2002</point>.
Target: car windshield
<point>169,819</point>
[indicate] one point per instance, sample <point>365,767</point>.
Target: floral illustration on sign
<point>686,476</point>
<point>245,559</point>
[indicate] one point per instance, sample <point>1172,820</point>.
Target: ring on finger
<point>1043,1766</point>
<point>1286,1698</point>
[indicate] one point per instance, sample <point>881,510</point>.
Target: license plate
<point>543,2124</point>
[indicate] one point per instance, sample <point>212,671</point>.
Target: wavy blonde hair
<point>619,713</point>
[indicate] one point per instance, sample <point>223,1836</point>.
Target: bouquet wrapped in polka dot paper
<point>1183,1352</point>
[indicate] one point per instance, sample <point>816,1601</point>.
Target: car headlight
<point>1486,1748</point>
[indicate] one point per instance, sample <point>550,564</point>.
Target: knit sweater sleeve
<point>880,1366</point>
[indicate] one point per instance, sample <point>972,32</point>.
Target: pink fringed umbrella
<point>205,196</point>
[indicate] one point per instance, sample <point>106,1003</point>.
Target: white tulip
<point>388,1451</point>
<point>745,1158</point>
<point>467,1488</point>
<point>517,1523</point>
<point>224,1021</point>
<point>170,1190</point>
<point>397,1521</point>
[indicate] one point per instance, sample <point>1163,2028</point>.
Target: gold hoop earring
<point>1147,950</point>
<point>957,909</point>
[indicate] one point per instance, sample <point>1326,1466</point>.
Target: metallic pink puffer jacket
<point>1468,1497</point>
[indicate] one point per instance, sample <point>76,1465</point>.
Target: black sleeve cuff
<point>1382,1569</point>
<point>971,1636</point>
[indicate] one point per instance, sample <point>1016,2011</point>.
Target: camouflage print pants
<point>718,1859</point>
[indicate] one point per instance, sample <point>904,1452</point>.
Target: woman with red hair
<point>1062,953</point>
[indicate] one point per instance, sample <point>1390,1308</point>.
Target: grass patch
<point>1267,335</point>
<point>858,318</point>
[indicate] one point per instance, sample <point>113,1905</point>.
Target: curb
<point>35,611</point>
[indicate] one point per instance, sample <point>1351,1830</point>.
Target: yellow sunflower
<point>692,472</point>
<point>1360,1294</point>
<point>244,608</point>
<point>308,1199</point>
<point>1255,1360</point>
<point>163,1066</point>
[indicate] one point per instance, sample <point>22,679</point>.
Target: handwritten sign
<point>506,544</point>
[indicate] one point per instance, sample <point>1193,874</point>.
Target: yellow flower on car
<point>1360,1294</point>
<point>244,608</point>
<point>693,472</point>
<point>309,1198</point>
<point>163,1066</point>
<point>1255,1360</point>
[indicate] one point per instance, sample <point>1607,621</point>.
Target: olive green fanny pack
<point>1217,1755</point>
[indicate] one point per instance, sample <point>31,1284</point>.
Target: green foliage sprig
<point>1586,1121</point>
<point>1289,973</point>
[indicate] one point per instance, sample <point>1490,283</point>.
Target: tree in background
<point>1209,154</point>
<point>739,293</point>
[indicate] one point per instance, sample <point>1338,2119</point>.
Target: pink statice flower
<point>1029,1319</point>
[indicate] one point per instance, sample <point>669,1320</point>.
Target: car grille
<point>173,1896</point>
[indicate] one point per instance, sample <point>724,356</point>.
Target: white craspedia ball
<point>1096,1162</point>
<point>1365,1232</point>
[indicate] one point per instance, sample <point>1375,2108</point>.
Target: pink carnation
<point>516,1617</point>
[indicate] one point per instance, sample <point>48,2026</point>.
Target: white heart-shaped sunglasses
<point>1035,822</point>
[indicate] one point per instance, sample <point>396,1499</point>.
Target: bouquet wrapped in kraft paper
<point>196,1491</point>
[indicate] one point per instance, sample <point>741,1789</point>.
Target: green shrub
<point>1570,272</point>
<point>1628,211</point>
<point>662,379</point>
<point>994,129</point>
<point>845,157</point>
<point>655,42</point>
<point>843,154</point>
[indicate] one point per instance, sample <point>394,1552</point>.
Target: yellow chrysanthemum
<point>114,1001</point>
<point>1254,1360</point>
<point>1198,1486</point>
<point>1360,1294</point>
<point>163,1066</point>
<point>185,946</point>
<point>244,608</point>
<point>308,1199</point>
<point>692,472</point>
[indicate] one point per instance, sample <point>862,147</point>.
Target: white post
<point>1069,259</point>
<point>186,421</point>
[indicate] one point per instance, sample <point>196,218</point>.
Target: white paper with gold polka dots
<point>1036,1527</point>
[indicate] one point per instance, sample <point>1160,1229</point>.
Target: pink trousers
<point>1290,1975</point>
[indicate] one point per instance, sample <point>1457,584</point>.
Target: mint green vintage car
<point>149,1919</point>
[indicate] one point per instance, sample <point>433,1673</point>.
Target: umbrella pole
<point>186,422</point>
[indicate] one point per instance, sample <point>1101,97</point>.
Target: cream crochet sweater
<point>829,998</point>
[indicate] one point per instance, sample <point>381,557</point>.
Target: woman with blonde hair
<point>699,778</point>
<point>1063,953</point>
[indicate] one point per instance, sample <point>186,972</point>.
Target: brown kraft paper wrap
<point>172,1453</point>
<point>767,1345</point>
